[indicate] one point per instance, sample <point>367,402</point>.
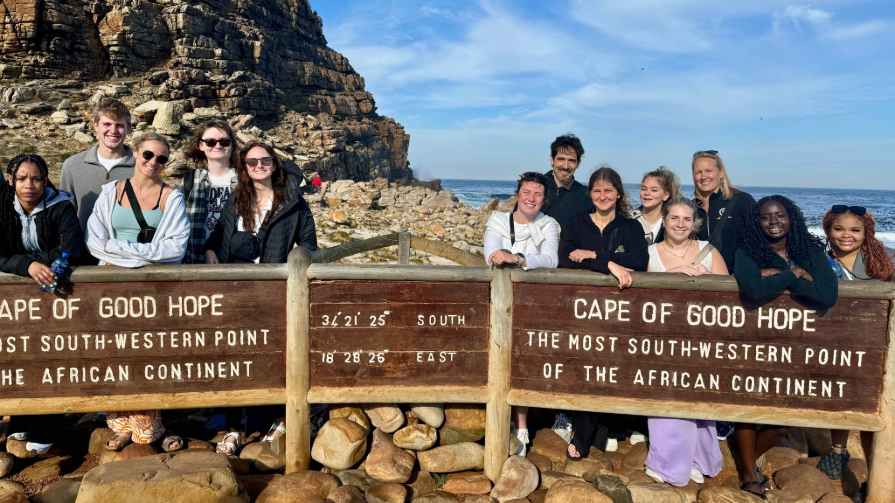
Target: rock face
<point>266,58</point>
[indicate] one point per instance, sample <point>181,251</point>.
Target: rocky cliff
<point>263,64</point>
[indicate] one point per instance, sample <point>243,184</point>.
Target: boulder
<point>421,482</point>
<point>578,467</point>
<point>167,116</point>
<point>518,478</point>
<point>262,457</point>
<point>12,492</point>
<point>803,479</point>
<point>575,491</point>
<point>187,476</point>
<point>417,437</point>
<point>437,497</point>
<point>299,486</point>
<point>130,451</point>
<point>17,449</point>
<point>61,491</point>
<point>433,415</point>
<point>45,470</point>
<point>550,445</point>
<point>386,462</point>
<point>462,424</point>
<point>7,461</point>
<point>721,494</point>
<point>386,493</point>
<point>453,458</point>
<point>387,418</point>
<point>340,444</point>
<point>612,486</point>
<point>356,478</point>
<point>346,494</point>
<point>550,477</point>
<point>777,458</point>
<point>652,492</point>
<point>467,483</point>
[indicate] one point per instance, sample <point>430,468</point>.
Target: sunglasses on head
<point>265,161</point>
<point>212,142</point>
<point>700,153</point>
<point>842,208</point>
<point>148,155</point>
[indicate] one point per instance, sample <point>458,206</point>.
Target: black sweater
<point>565,204</point>
<point>621,242</point>
<point>57,229</point>
<point>820,293</point>
<point>735,221</point>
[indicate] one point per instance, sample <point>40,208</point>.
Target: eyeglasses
<point>703,153</point>
<point>212,142</point>
<point>148,155</point>
<point>842,208</point>
<point>265,161</point>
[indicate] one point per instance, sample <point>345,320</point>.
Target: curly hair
<point>567,141</point>
<point>8,215</point>
<point>876,260</point>
<point>195,154</point>
<point>605,173</point>
<point>244,193</point>
<point>799,242</point>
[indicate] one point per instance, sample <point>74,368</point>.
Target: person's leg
<point>707,457</point>
<point>671,449</point>
<point>834,463</point>
<point>119,423</point>
<point>522,428</point>
<point>584,424</point>
<point>146,426</point>
<point>867,445</point>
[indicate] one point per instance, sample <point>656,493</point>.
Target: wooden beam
<point>404,247</point>
<point>298,374</point>
<point>881,479</point>
<point>191,272</point>
<point>354,247</point>
<point>398,272</point>
<point>398,394</point>
<point>444,250</point>
<point>497,412</point>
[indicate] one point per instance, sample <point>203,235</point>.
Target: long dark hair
<point>9,219</point>
<point>607,174</point>
<point>193,153</point>
<point>876,260</point>
<point>799,242</point>
<point>244,194</point>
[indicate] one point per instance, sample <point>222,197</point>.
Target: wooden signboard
<point>698,346</point>
<point>398,333</point>
<point>142,337</point>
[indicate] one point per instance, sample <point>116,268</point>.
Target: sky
<point>797,94</point>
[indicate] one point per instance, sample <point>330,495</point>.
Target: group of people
<point>237,204</point>
<point>720,229</point>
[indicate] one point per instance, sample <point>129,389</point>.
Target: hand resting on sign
<point>503,257</point>
<point>580,255</point>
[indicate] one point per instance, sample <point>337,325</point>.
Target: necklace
<point>686,248</point>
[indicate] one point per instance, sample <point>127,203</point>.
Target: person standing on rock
<point>213,154</point>
<point>110,159</point>
<point>565,198</point>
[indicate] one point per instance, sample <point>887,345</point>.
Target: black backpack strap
<point>189,179</point>
<point>135,204</point>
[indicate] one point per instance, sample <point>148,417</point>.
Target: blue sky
<point>792,93</point>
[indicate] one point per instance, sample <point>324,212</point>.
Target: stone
<point>803,479</point>
<point>355,414</point>
<point>443,199</point>
<point>387,418</point>
<point>518,478</point>
<point>193,444</point>
<point>467,483</point>
<point>387,462</point>
<point>340,217</point>
<point>721,494</point>
<point>421,482</point>
<point>578,467</point>
<point>612,486</point>
<point>462,424</point>
<point>98,439</point>
<point>346,494</point>
<point>386,493</point>
<point>60,117</point>
<point>298,486</point>
<point>61,491</point>
<point>854,476</point>
<point>575,491</point>
<point>146,111</point>
<point>167,117</point>
<point>835,498</point>
<point>11,123</point>
<point>433,415</point>
<point>12,492</point>
<point>453,458</point>
<point>635,459</point>
<point>777,458</point>
<point>167,478</point>
<point>17,449</point>
<point>39,108</point>
<point>417,437</point>
<point>262,457</point>
<point>357,478</point>
<point>550,445</point>
<point>130,451</point>
<point>340,444</point>
<point>652,492</point>
<point>82,137</point>
<point>45,470</point>
<point>7,461</point>
<point>550,477</point>
<point>437,497</point>
<point>542,462</point>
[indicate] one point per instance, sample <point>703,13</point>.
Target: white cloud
<point>821,22</point>
<point>859,30</point>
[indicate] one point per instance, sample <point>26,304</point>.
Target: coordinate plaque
<point>698,347</point>
<point>399,333</point>
<point>142,337</point>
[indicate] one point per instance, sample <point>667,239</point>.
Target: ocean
<point>813,202</point>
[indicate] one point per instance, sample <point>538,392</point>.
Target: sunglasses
<point>265,161</point>
<point>701,153</point>
<point>212,142</point>
<point>842,208</point>
<point>148,155</point>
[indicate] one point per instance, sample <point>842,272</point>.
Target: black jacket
<point>292,224</point>
<point>621,242</point>
<point>57,229</point>
<point>735,219</point>
<point>565,204</point>
<point>755,289</point>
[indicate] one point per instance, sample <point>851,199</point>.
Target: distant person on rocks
<point>681,450</point>
<point>110,159</point>
<point>657,187</point>
<point>213,154</point>
<point>855,254</point>
<point>565,198</point>
<point>778,254</point>
<point>724,208</point>
<point>524,238</point>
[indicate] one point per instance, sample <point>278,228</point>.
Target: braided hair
<point>9,218</point>
<point>799,242</point>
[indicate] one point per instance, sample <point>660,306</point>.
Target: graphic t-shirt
<point>218,195</point>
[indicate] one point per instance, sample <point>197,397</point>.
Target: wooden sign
<point>142,337</point>
<point>698,347</point>
<point>398,333</point>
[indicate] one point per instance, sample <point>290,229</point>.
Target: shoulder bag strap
<point>708,248</point>
<point>135,204</point>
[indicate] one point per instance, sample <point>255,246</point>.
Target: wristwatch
<point>523,263</point>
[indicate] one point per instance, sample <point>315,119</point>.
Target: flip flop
<point>229,444</point>
<point>569,455</point>
<point>172,443</point>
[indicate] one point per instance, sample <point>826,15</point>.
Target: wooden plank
<point>880,483</point>
<point>373,316</point>
<point>398,394</point>
<point>497,411</point>
<point>398,273</point>
<point>390,291</point>
<point>298,374</point>
<point>191,272</point>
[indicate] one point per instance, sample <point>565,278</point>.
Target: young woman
<point>657,187</point>
<point>136,222</point>
<point>682,450</point>
<point>524,238</point>
<point>38,223</point>
<point>778,254</point>
<point>213,154</point>
<point>605,241</point>
<point>724,209</point>
<point>855,255</point>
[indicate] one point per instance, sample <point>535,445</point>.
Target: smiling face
<point>29,184</point>
<point>218,152</point>
<point>530,199</point>
<point>652,194</point>
<point>847,233</point>
<point>774,220</point>
<point>706,175</point>
<point>111,132</point>
<point>679,223</point>
<point>259,164</point>
<point>564,165</point>
<point>157,154</point>
<point>604,195</point>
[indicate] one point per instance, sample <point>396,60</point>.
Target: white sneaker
<point>563,427</point>
<point>637,438</point>
<point>696,476</point>
<point>655,476</point>
<point>611,445</point>
<point>37,448</point>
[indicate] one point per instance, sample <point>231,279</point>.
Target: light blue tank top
<point>124,223</point>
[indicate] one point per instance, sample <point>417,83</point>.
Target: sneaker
<point>655,476</point>
<point>563,427</point>
<point>696,475</point>
<point>723,429</point>
<point>833,464</point>
<point>637,438</point>
<point>611,445</point>
<point>522,437</point>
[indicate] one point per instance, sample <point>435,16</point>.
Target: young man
<point>110,159</point>
<point>565,197</point>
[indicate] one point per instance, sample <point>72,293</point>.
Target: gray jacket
<point>83,175</point>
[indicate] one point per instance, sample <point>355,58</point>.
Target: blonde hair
<point>725,185</point>
<point>667,179</point>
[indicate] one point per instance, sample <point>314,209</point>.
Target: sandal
<point>759,486</point>
<point>172,443</point>
<point>229,444</point>
<point>117,442</point>
<point>572,452</point>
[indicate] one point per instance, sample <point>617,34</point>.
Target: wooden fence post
<point>403,247</point>
<point>497,422</point>
<point>881,479</point>
<point>298,376</point>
